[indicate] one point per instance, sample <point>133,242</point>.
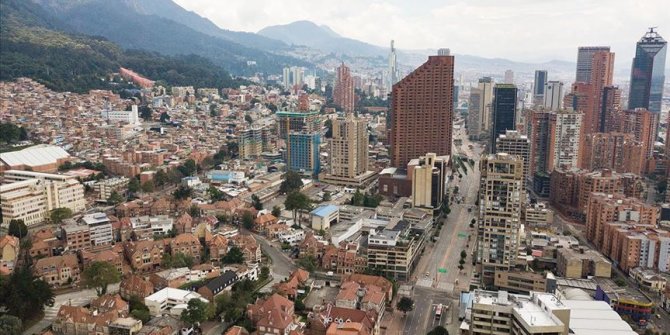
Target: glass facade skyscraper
<point>648,73</point>
<point>504,111</point>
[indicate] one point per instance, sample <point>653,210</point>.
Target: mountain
<point>323,38</point>
<point>125,23</point>
<point>32,46</point>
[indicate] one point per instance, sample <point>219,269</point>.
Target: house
<point>311,246</point>
<point>108,256</point>
<point>274,315</point>
<point>347,328</point>
<point>382,283</point>
<point>165,324</point>
<point>170,278</point>
<point>236,330</point>
<point>290,287</point>
<point>9,252</point>
<point>58,270</point>
<point>74,320</point>
<point>348,295</point>
<point>218,247</point>
<point>137,286</point>
<point>110,302</point>
<point>250,248</point>
<point>125,326</point>
<point>144,256</point>
<point>217,285</point>
<point>291,236</point>
<point>204,271</point>
<point>45,243</point>
<point>319,322</point>
<point>184,224</point>
<point>186,244</point>
<point>170,300</point>
<point>263,221</point>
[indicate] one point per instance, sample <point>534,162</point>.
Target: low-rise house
<point>170,300</point>
<point>291,236</point>
<point>74,320</point>
<point>274,315</point>
<point>219,284</point>
<point>170,278</point>
<point>45,243</point>
<point>58,270</point>
<point>320,322</point>
<point>263,221</point>
<point>250,248</point>
<point>274,230</point>
<point>9,252</point>
<point>289,288</point>
<point>218,247</point>
<point>186,244</point>
<point>236,330</point>
<point>125,326</point>
<point>649,279</point>
<point>144,256</point>
<point>137,286</point>
<point>184,224</point>
<point>110,302</point>
<point>108,256</point>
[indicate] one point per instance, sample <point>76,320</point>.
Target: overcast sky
<point>522,30</point>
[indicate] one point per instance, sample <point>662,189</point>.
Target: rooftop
<point>323,211</point>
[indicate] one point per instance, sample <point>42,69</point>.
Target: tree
<point>662,186</point>
<point>145,113</point>
<point>256,202</point>
<point>10,325</point>
<point>59,214</point>
<point>464,254</point>
<point>234,256</point>
<point>194,211</point>
<point>308,263</point>
<point>248,220</point>
<point>115,198</point>
<point>233,149</point>
<point>405,304</point>
<point>276,211</point>
<point>17,228</point>
<point>188,168</point>
<point>265,273</point>
<point>249,119</point>
<point>182,192</point>
<point>148,186</point>
<point>326,196</point>
<point>164,117</point>
<point>196,312</point>
<point>160,178</point>
<point>296,201</point>
<point>134,185</point>
<point>438,330</point>
<point>179,260</point>
<point>138,309</point>
<point>292,182</point>
<point>23,295</point>
<point>101,274</point>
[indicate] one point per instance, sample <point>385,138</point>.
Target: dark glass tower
<point>504,111</point>
<point>540,82</point>
<point>648,73</point>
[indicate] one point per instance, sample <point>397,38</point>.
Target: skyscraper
<point>343,95</point>
<point>553,95</point>
<point>539,86</point>
<point>286,78</point>
<point>393,69</point>
<point>485,86</point>
<point>609,108</point>
<point>647,75</point>
<point>509,77</point>
<point>474,122</point>
<point>422,110</point>
<point>584,60</point>
<point>539,142</point>
<point>565,136</point>
<point>504,111</point>
<point>602,71</point>
<point>500,200</point>
<point>348,160</point>
<point>513,143</point>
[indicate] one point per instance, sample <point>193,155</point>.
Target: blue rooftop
<point>324,211</point>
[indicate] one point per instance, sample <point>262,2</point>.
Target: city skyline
<point>433,24</point>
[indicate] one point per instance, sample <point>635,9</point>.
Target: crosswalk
<point>51,312</point>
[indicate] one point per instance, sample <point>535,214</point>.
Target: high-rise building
<point>302,152</point>
<point>539,85</point>
<point>393,75</point>
<point>297,76</point>
<point>553,95</point>
<point>286,78</point>
<point>610,106</point>
<point>641,123</point>
<point>647,75</point>
<point>602,71</point>
<point>348,159</point>
<point>473,121</point>
<point>509,77</point>
<point>565,134</point>
<point>343,95</point>
<point>429,180</point>
<point>513,143</point>
<point>615,151</point>
<point>539,142</point>
<point>253,142</point>
<point>500,201</point>
<point>485,86</point>
<point>422,111</point>
<point>504,111</point>
<point>584,62</point>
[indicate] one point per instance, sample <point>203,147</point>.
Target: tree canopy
<point>296,201</point>
<point>59,214</point>
<point>24,295</point>
<point>405,304</point>
<point>17,228</point>
<point>196,312</point>
<point>292,182</point>
<point>100,275</point>
<point>234,256</point>
<point>182,192</point>
<point>438,330</point>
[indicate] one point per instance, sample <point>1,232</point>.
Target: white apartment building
<point>553,95</point>
<point>30,196</point>
<point>566,136</point>
<point>106,187</point>
<point>100,228</point>
<point>130,117</point>
<point>170,300</point>
<point>292,237</point>
<point>159,224</point>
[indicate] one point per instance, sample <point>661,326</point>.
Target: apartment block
<point>253,142</point>
<point>565,135</point>
<point>394,250</point>
<point>429,178</point>
<point>100,228</point>
<point>343,94</point>
<point>106,187</point>
<point>581,263</point>
<point>348,160</point>
<point>619,152</point>
<point>77,237</point>
<point>500,200</point>
<point>513,143</point>
<point>524,282</point>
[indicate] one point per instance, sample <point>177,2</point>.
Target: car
<point>427,274</point>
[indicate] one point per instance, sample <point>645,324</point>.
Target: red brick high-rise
<point>643,124</point>
<point>602,71</point>
<point>422,111</point>
<point>343,94</point>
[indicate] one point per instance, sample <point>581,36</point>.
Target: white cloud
<point>525,30</point>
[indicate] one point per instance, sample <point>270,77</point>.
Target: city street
<point>455,236</point>
<point>281,266</point>
<point>79,298</point>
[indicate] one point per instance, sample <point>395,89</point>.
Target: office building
<point>485,86</point>
<point>553,96</point>
<point>302,152</point>
<point>585,61</point>
<point>422,111</point>
<point>500,200</point>
<point>602,73</point>
<point>539,85</point>
<point>393,75</point>
<point>100,228</point>
<point>647,75</point>
<point>513,143</point>
<point>429,179</point>
<point>394,250</point>
<point>539,142</point>
<point>524,282</point>
<point>348,159</point>
<point>565,134</point>
<point>130,117</point>
<point>509,77</point>
<point>504,111</point>
<point>343,95</point>
<point>30,196</point>
<point>473,121</point>
<point>582,263</point>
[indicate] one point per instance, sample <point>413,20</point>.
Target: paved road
<point>282,266</point>
<point>440,288</point>
<point>79,298</point>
